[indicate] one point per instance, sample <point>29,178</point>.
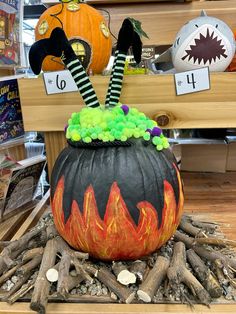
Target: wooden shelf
<point>63,308</point>
<point>152,94</point>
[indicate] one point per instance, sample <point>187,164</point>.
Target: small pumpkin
<point>116,202</point>
<point>86,30</point>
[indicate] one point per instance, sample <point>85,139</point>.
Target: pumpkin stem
<point>127,37</point>
<point>58,45</point>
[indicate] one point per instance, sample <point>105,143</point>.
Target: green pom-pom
<point>166,144</point>
<point>87,139</point>
<point>123,138</point>
<point>159,147</point>
<point>146,136</point>
<point>94,136</point>
<point>75,136</point>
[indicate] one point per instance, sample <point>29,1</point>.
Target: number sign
<point>192,81</point>
<point>59,82</point>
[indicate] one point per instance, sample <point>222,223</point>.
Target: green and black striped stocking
<point>83,82</point>
<point>115,84</point>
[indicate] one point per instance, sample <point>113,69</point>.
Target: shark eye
<point>196,25</point>
<point>217,25</point>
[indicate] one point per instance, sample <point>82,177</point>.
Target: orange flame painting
<point>117,237</point>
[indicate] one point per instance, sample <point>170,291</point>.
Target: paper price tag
<point>59,82</point>
<point>192,81</point>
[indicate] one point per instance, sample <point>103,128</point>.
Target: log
<point>81,271</point>
<point>123,275</point>
<point>30,265</point>
<point>204,275</point>
<point>186,226</point>
<point>22,291</point>
<point>51,232</point>
<point>210,255</point>
<point>156,275</point>
<point>42,285</point>
<point>178,273</point>
<point>30,254</point>
<point>139,269</point>
<point>65,281</point>
<point>206,226</point>
<point>109,280</point>
<point>215,241</point>
<point>9,274</point>
<point>16,247</point>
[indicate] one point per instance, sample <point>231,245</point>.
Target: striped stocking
<point>83,82</point>
<point>115,84</point>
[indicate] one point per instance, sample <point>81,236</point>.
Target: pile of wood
<point>196,266</point>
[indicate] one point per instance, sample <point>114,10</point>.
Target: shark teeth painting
<point>196,54</point>
<point>203,41</point>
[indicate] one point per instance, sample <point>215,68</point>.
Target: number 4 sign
<point>59,82</point>
<point>192,81</point>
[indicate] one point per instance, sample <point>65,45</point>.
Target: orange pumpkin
<point>86,30</point>
<point>232,66</point>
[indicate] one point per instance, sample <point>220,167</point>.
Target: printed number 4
<point>191,80</point>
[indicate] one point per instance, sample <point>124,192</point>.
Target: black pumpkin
<point>116,202</point>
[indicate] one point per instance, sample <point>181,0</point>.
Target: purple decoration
<point>156,131</point>
<point>149,130</point>
<point>65,127</point>
<point>125,108</point>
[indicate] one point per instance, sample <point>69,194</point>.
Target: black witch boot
<point>58,45</point>
<point>127,38</point>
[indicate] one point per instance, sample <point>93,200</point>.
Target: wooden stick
<point>30,254</point>
<point>18,285</point>
<point>138,268</point>
<point>109,280</point>
<point>28,267</point>
<point>9,274</point>
<point>123,275</point>
<point>206,226</point>
<point>186,226</point>
<point>204,275</point>
<point>65,281</point>
<point>10,252</point>
<point>154,279</point>
<point>178,273</point>
<point>42,286</point>
<point>22,291</point>
<point>216,241</point>
<point>210,255</point>
<point>51,232</point>
<point>81,271</point>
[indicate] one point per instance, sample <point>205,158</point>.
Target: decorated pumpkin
<point>202,42</point>
<point>86,30</point>
<point>232,66</point>
<point>116,190</point>
<point>116,202</point>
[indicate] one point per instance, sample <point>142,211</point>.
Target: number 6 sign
<point>59,82</point>
<point>192,81</point>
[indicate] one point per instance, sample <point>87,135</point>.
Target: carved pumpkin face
<point>86,31</point>
<point>116,202</point>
